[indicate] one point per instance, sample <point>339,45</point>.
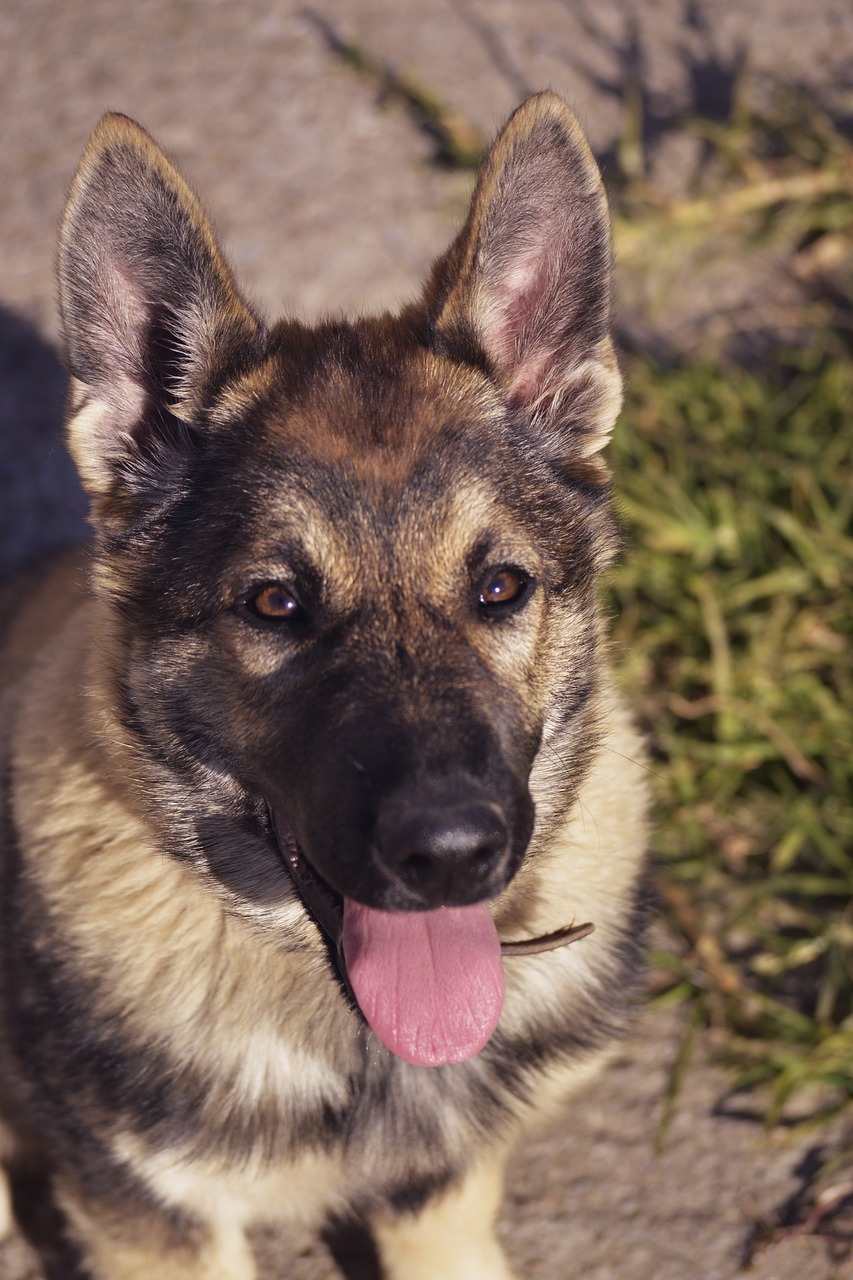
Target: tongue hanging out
<point>430,983</point>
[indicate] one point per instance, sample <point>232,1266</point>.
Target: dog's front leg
<point>452,1237</point>
<point>117,1246</point>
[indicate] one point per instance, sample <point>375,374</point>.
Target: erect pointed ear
<point>152,320</point>
<point>527,282</point>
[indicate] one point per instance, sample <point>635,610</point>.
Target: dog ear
<point>526,285</point>
<point>152,320</point>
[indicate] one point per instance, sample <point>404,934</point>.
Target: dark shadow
<point>42,506</point>
<point>741,1105</point>
<point>801,1213</point>
<point>713,79</point>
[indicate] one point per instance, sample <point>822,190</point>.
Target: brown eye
<point>274,602</point>
<point>504,587</point>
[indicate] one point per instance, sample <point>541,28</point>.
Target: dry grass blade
<point>730,207</point>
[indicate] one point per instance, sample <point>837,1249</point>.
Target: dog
<point>314,753</point>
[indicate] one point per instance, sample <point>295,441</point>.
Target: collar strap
<point>548,941</point>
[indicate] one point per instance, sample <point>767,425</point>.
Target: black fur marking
<point>43,1224</point>
<point>353,1249</point>
<point>52,1089</point>
<point>245,861</point>
<point>413,1196</point>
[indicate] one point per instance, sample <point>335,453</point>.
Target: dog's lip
<point>322,902</point>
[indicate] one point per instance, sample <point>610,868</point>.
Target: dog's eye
<point>274,602</point>
<point>503,587</point>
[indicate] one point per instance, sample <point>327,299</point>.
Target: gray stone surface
<point>328,200</point>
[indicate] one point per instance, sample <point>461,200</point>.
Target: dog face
<point>349,571</point>
<point>349,615</point>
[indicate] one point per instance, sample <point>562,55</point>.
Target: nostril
<point>417,868</point>
<point>483,859</point>
<point>444,853</point>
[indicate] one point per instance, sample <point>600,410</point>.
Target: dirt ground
<point>328,198</point>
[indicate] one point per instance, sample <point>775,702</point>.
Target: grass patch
<point>734,626</point>
<point>734,636</point>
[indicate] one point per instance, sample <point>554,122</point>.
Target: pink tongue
<point>429,983</point>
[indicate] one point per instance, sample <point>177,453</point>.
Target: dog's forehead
<point>387,423</point>
<point>384,421</point>
<point>368,394</point>
<point>410,503</point>
<point>424,545</point>
<point>374,447</point>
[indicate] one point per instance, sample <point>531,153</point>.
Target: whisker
<point>583,808</point>
<point>630,759</point>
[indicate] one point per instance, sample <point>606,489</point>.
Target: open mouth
<point>324,905</point>
<point>430,984</point>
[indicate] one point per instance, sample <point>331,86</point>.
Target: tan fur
<point>223,1255</point>
<point>453,1238</point>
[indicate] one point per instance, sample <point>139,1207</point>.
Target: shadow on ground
<point>42,506</point>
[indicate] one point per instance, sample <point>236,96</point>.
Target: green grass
<point>734,636</point>
<point>733,617</point>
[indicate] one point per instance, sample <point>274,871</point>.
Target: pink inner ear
<point>513,324</point>
<point>121,328</point>
<point>125,317</point>
<point>530,382</point>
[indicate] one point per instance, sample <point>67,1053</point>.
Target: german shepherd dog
<point>319,724</point>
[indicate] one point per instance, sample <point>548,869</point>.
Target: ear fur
<point>525,288</point>
<point>152,320</point>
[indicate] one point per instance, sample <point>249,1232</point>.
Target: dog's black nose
<point>445,854</point>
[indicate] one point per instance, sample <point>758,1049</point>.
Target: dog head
<point>350,568</point>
